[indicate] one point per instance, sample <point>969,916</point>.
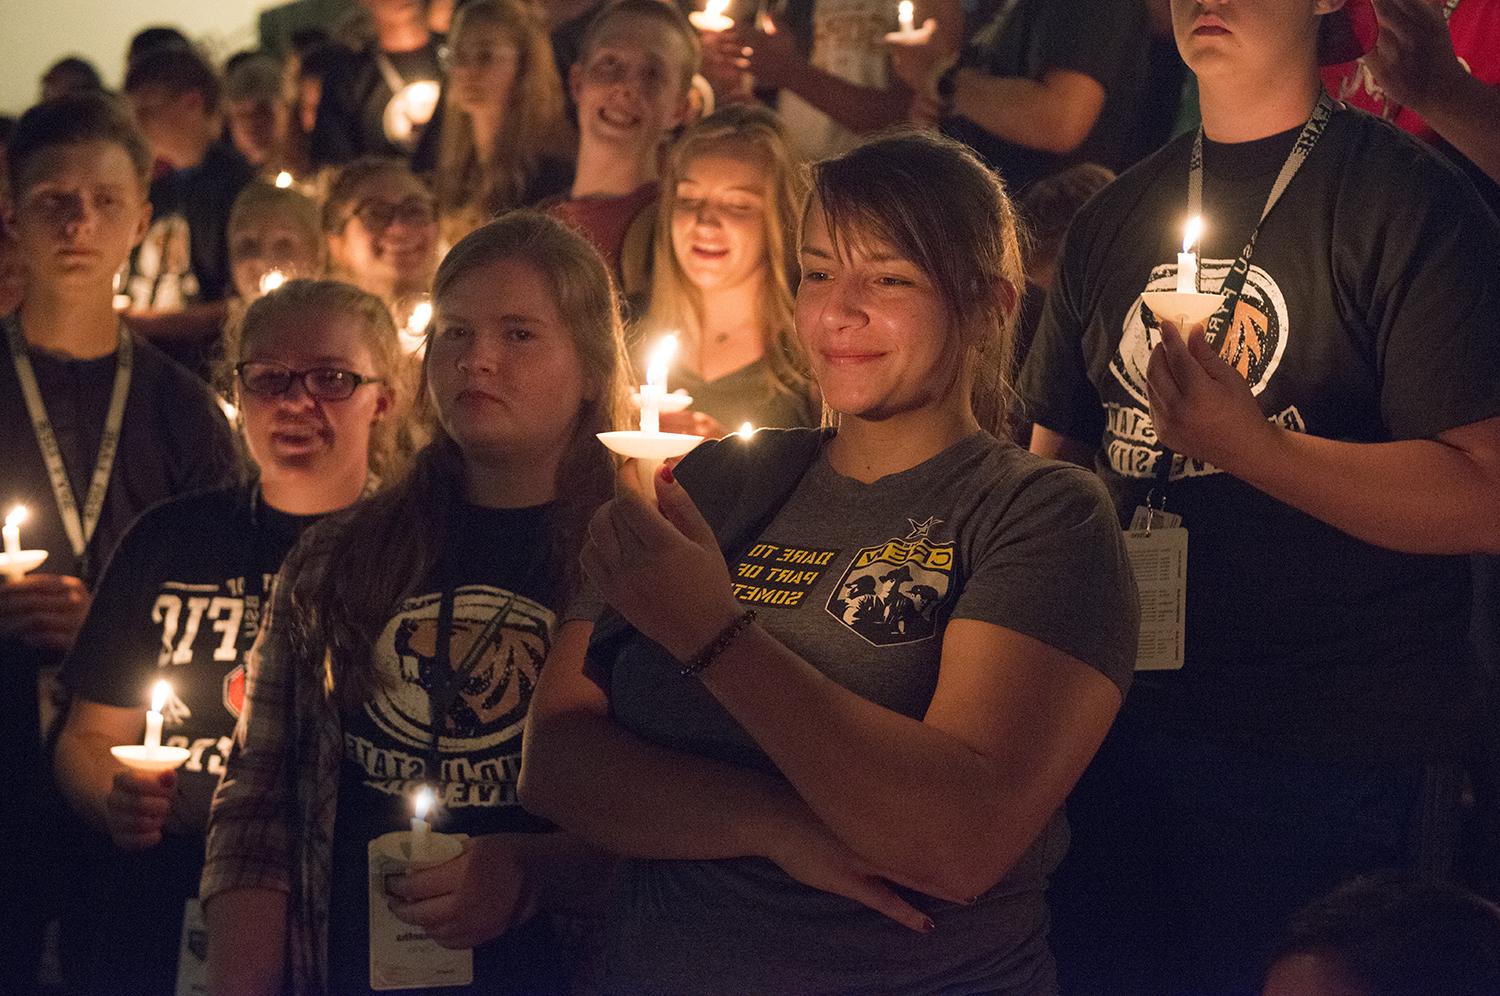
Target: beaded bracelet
<point>726,636</point>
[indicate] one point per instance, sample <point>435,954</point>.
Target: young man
<point>630,84</point>
<point>1333,450</point>
<point>94,428</point>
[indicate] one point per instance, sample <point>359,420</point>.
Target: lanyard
<point>447,681</point>
<point>1234,281</point>
<point>80,529</point>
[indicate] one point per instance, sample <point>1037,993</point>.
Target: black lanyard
<point>1220,323</point>
<point>446,681</point>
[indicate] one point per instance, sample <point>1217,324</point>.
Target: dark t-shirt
<point>352,110</point>
<point>494,567</point>
<point>1105,40</point>
<point>1368,316</point>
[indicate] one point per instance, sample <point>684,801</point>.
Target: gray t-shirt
<point>747,395</point>
<point>860,580</point>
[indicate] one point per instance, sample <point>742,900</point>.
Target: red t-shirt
<point>605,220</point>
<point>1475,30</point>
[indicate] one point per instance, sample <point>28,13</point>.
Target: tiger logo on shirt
<point>891,592</point>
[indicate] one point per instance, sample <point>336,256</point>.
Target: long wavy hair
<point>753,134</point>
<point>389,544</point>
<point>469,190</point>
<point>899,191</point>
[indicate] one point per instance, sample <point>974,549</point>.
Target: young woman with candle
<point>272,229</point>
<point>724,274</point>
<point>405,639</point>
<point>860,789</point>
<point>181,599</point>
<point>381,225</point>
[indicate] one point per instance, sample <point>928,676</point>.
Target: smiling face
<point>484,66</point>
<point>719,221</point>
<point>388,245</point>
<point>264,242</point>
<point>1247,39</point>
<point>300,442</point>
<point>874,327</point>
<point>628,86</point>
<point>503,370</point>
<point>79,210</point>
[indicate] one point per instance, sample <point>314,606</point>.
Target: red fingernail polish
<point>666,474</point>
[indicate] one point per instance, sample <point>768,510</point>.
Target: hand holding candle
<point>650,445</point>
<point>15,563</point>
<point>1186,305</point>
<point>150,755</point>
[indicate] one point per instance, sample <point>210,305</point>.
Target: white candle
<point>283,179</point>
<point>160,692</point>
<point>272,280</point>
<point>656,383</point>
<point>13,530</point>
<point>421,831</point>
<point>1187,260</point>
<point>906,15</point>
<point>414,333</point>
<point>712,17</point>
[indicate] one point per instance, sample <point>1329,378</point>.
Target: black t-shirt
<point>495,569</point>
<point>1368,316</point>
<point>352,110</point>
<point>1102,39</point>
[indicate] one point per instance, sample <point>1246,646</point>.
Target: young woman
<point>181,600</point>
<point>860,789</point>
<point>272,228</point>
<point>725,270</point>
<point>502,112</point>
<point>381,226</point>
<point>406,637</point>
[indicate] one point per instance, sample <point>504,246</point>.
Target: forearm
<point>568,873</point>
<point>196,323</point>
<point>1021,111</point>
<point>858,108</point>
<point>85,773</point>
<point>1467,116</point>
<point>246,942</point>
<point>1415,496</point>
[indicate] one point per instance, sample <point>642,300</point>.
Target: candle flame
<point>230,411</point>
<point>1193,233</point>
<point>160,692</point>
<point>661,359</point>
<point>905,12</point>
<point>746,430</point>
<point>422,804</point>
<point>421,317</point>
<point>715,8</point>
<point>16,517</point>
<point>283,179</point>
<point>271,281</point>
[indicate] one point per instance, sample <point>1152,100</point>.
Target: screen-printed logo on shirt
<point>891,592</point>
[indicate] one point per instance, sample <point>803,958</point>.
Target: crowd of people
<point>1013,628</point>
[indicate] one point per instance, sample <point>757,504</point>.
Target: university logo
<point>511,635</point>
<point>891,593</point>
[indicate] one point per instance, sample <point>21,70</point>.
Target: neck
<point>296,497</point>
<point>612,172</point>
<point>731,316</point>
<point>78,326</point>
<point>485,126</point>
<point>403,33</point>
<point>507,482</point>
<point>868,450</point>
<point>1279,105</point>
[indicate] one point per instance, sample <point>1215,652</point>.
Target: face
<point>301,441</point>
<point>718,221</point>
<point>1246,39</point>
<point>171,122</point>
<point>484,63</point>
<point>389,244</point>
<point>502,369</point>
<point>78,212</point>
<point>258,127</point>
<point>264,242</point>
<point>874,326</point>
<point>628,87</point>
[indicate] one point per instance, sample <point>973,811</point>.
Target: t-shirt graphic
<point>1254,346</point>
<point>890,593</point>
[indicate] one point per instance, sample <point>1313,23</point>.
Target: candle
<point>712,17</point>
<point>283,179</point>
<point>905,15</point>
<point>272,280</point>
<point>1187,260</point>
<point>13,530</point>
<point>160,692</point>
<point>414,333</point>
<point>746,430</point>
<point>656,383</point>
<point>421,832</point>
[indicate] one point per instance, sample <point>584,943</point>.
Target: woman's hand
<point>463,903</point>
<point>658,564</point>
<point>136,808</point>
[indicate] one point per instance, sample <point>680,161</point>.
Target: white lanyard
<point>80,530</point>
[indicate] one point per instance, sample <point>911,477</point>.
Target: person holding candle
<point>273,229</point>
<point>428,611</point>
<point>724,274</point>
<point>1331,442</point>
<point>835,760</point>
<point>315,366</point>
<point>380,223</point>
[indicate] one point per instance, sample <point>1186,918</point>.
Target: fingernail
<point>666,474</point>
<point>927,925</point>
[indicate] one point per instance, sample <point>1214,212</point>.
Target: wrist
<point>701,629</point>
<point>1260,452</point>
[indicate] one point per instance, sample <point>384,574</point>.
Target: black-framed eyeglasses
<point>377,215</point>
<point>272,380</point>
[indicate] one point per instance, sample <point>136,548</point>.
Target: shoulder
<point>1378,164</point>
<point>173,388</point>
<point>1017,486</point>
<point>213,508</point>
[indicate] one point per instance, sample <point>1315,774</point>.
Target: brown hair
<point>344,190</point>
<point>899,191</point>
<point>666,14</point>
<point>1049,204</point>
<point>259,198</point>
<point>401,530</point>
<point>176,70</point>
<point>72,120</point>
<point>749,132</point>
<point>465,186</point>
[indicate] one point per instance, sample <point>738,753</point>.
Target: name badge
<point>1158,555</point>
<point>403,956</point>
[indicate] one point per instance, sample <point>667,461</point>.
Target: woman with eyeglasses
<point>381,225</point>
<point>182,598</point>
<point>403,645</point>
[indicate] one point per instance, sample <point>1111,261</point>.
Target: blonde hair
<point>259,198</point>
<point>676,303</point>
<point>469,191</point>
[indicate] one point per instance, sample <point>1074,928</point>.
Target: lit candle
<point>906,16</point>
<point>283,179</point>
<point>1187,260</point>
<point>712,17</point>
<point>272,280</point>
<point>13,530</point>
<point>656,383</point>
<point>160,692</point>
<point>746,430</point>
<point>414,333</point>
<point>421,832</point>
